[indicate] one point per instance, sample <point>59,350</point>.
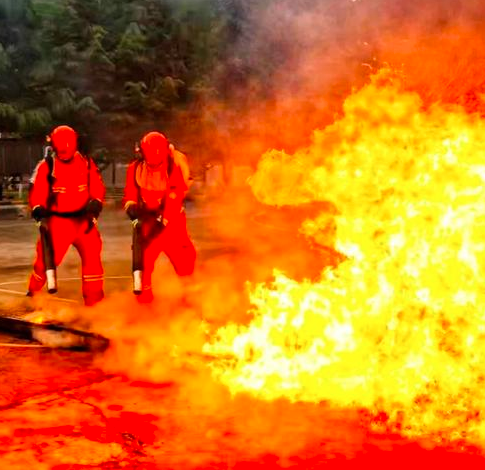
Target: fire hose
<point>137,259</point>
<point>138,242</point>
<point>48,251</point>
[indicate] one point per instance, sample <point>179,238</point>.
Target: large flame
<point>399,325</point>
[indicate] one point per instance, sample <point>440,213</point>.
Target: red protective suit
<point>160,195</point>
<point>73,184</point>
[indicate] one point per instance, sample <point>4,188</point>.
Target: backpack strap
<point>49,159</point>
<point>170,165</point>
<point>138,161</point>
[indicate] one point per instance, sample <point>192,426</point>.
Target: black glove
<point>40,213</point>
<point>133,212</point>
<point>94,208</point>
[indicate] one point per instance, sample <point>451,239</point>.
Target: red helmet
<point>64,141</point>
<point>154,148</point>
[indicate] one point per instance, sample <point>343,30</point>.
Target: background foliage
<point>113,69</point>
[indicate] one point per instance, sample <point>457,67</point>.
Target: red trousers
<point>64,233</point>
<point>174,241</point>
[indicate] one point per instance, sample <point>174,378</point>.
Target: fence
<point>114,175</point>
<point>19,158</point>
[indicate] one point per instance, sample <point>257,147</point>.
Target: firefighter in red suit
<point>68,193</point>
<point>156,185</point>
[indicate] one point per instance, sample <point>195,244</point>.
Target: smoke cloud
<point>292,63</point>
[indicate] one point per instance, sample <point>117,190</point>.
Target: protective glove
<point>133,212</point>
<point>94,208</point>
<point>39,213</point>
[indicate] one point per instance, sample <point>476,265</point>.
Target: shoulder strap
<point>49,159</point>
<point>170,165</point>
<point>137,164</point>
<point>135,169</point>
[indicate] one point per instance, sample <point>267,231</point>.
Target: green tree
<point>112,68</point>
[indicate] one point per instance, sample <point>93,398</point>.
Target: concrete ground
<point>61,409</point>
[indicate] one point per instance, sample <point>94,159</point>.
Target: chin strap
<point>152,167</point>
<point>69,160</point>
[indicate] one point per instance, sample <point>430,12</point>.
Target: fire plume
<point>399,325</point>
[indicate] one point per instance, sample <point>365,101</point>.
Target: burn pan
<point>53,335</point>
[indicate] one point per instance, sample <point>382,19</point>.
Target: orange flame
<point>37,319</point>
<point>399,325</point>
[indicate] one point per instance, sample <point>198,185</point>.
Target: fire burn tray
<point>53,335</point>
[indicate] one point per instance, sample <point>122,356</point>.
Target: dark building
<point>18,157</point>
